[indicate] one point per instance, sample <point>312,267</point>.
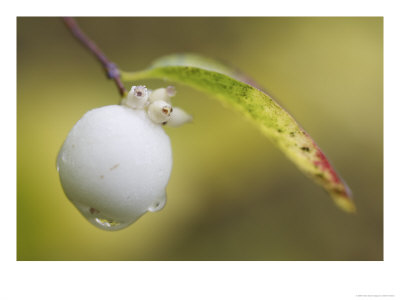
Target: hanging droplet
<point>99,219</point>
<point>158,204</point>
<point>107,222</point>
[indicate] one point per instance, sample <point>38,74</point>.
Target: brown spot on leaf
<point>340,191</point>
<point>305,149</point>
<point>320,177</point>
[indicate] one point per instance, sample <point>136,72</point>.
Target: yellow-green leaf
<point>239,92</point>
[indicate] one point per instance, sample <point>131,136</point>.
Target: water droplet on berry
<point>158,204</point>
<point>99,219</point>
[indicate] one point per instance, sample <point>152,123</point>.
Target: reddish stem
<point>110,68</point>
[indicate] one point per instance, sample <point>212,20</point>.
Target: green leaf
<point>194,60</point>
<point>238,91</point>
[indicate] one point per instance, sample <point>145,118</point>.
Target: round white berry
<point>115,165</point>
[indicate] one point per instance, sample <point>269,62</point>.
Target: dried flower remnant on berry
<point>159,111</point>
<point>157,104</point>
<point>137,97</point>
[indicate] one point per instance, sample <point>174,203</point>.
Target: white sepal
<point>179,117</point>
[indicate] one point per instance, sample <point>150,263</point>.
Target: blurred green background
<point>232,195</point>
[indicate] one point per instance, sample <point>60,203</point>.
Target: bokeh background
<point>232,195</point>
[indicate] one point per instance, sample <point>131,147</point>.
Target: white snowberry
<point>115,165</point>
<point>116,161</point>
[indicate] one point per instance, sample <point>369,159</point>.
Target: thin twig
<point>110,68</point>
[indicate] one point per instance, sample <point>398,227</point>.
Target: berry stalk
<point>110,67</point>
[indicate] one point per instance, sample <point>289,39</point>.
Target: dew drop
<point>57,165</point>
<point>99,219</point>
<point>106,223</point>
<point>158,204</point>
